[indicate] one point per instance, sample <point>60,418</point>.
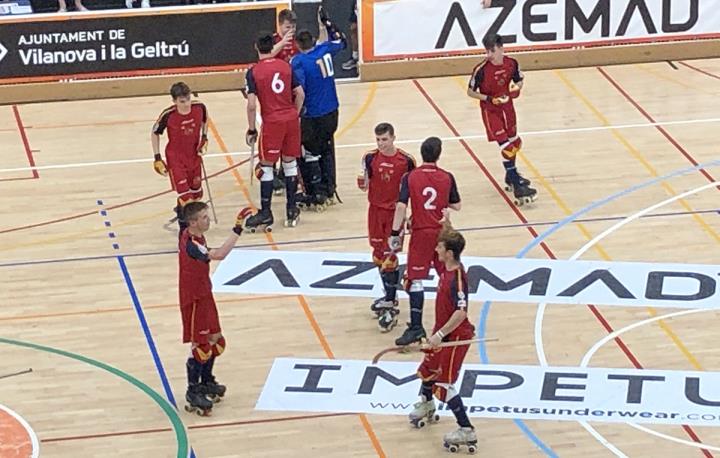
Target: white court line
<point>31,432</point>
<point>539,317</point>
<point>369,145</point>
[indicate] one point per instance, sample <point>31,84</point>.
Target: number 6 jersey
<point>272,81</point>
<point>430,190</point>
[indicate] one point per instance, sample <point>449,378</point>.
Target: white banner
<point>495,391</point>
<point>498,279</point>
<point>417,28</point>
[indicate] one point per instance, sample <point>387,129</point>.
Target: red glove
<point>240,220</point>
<point>362,181</point>
<point>202,146</point>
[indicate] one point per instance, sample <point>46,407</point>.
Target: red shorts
<point>379,228</point>
<point>442,366</point>
<point>186,178</point>
<point>422,254</point>
<point>200,320</point>
<point>279,138</point>
<point>500,121</point>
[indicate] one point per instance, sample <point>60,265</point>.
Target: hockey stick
<point>425,346</point>
<point>26,371</point>
<point>252,163</point>
<point>207,185</point>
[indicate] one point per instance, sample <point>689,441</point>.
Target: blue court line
<point>485,311</point>
<point>141,317</point>
<point>357,237</point>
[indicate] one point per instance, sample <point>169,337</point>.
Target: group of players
<point>391,178</point>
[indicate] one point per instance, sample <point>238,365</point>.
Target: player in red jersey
<point>496,82</point>
<point>440,367</point>
<point>186,124</point>
<point>429,190</point>
<point>271,83</point>
<point>383,169</point>
<point>201,324</point>
<point>284,39</point>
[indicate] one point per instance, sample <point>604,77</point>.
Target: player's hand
<point>240,220</point>
<point>251,136</point>
<point>487,3</point>
<point>287,38</point>
<point>322,16</point>
<point>434,341</point>
<point>445,220</point>
<point>202,146</point>
<point>503,99</point>
<point>160,166</point>
<point>514,91</point>
<point>362,182</point>
<point>395,241</point>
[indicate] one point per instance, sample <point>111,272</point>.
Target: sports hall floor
<point>100,327</point>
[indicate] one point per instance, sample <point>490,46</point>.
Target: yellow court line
<point>301,299</point>
<point>361,111</point>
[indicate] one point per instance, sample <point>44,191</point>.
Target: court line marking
<point>172,414</point>
<point>369,145</point>
<point>301,299</point>
<point>35,445</point>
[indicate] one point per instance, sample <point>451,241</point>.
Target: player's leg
<point>451,362</point>
<point>291,151</point>
<point>212,389</point>
<point>315,194</point>
<point>269,146</point>
<point>327,127</point>
<point>352,62</point>
<point>195,180</point>
<point>179,176</point>
<point>424,410</point>
<point>519,185</point>
<point>200,352</point>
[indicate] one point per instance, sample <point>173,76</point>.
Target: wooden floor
<point>588,133</point>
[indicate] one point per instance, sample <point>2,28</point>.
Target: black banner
<point>141,44</point>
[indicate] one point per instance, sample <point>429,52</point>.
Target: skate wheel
<point>508,188</point>
<point>518,203</point>
<point>189,409</point>
<point>436,418</point>
<point>268,229</point>
<point>420,424</point>
<point>452,448</point>
<point>471,449</point>
<point>319,208</point>
<point>253,230</point>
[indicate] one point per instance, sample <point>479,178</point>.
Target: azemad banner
<point>498,279</point>
<point>399,29</point>
<point>494,391</point>
<point>141,42</point>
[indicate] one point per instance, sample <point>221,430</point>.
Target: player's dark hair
<point>453,241</point>
<point>304,40</point>
<point>430,149</point>
<point>491,40</point>
<point>287,16</point>
<point>179,89</point>
<point>191,211</point>
<point>264,42</point>
<point>384,128</point>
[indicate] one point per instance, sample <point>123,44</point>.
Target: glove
<point>395,241</point>
<point>160,166</point>
<point>514,91</point>
<point>202,146</point>
<point>251,137</point>
<point>362,181</point>
<point>240,220</point>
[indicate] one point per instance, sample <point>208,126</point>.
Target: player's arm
<point>298,93</point>
<point>473,90</point>
<point>458,295</point>
<point>287,38</point>
<point>363,180</point>
<point>218,254</point>
<point>518,79</point>
<point>202,144</point>
<point>454,199</point>
<point>395,241</point>
<point>251,134</point>
<point>157,130</point>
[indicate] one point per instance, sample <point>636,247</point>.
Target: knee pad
<point>264,172</point>
<point>219,347</point>
<point>202,353</point>
<point>507,150</point>
<point>196,184</point>
<point>389,263</point>
<point>184,198</point>
<point>290,168</point>
<point>413,286</point>
<point>445,392</point>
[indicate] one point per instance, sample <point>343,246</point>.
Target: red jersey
<point>184,131</point>
<point>430,190</point>
<point>272,81</point>
<point>289,50</point>
<point>194,260</point>
<point>452,294</point>
<point>384,174</point>
<point>494,80</point>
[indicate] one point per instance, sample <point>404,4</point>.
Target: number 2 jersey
<point>430,190</point>
<point>272,81</point>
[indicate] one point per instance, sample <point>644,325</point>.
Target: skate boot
<point>314,202</point>
<point>460,437</point>
<point>423,414</point>
<point>378,307</point>
<point>213,390</point>
<point>411,335</point>
<point>292,217</point>
<point>509,187</point>
<point>524,195</point>
<point>389,318</point>
<point>261,219</point>
<point>197,402</point>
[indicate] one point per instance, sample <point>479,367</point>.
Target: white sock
<point>355,55</point>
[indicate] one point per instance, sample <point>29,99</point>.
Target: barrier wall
<point>425,37</point>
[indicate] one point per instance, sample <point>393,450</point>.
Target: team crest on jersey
<point>385,176</point>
